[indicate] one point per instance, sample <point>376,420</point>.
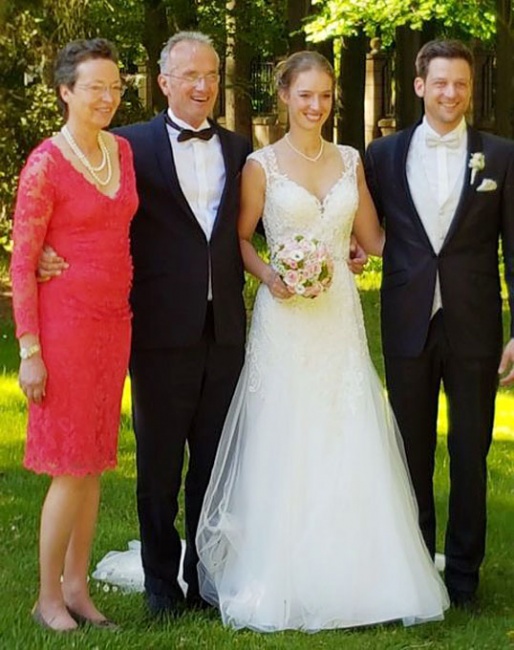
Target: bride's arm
<point>253,190</point>
<point>366,226</point>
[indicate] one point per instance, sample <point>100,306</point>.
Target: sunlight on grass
<point>9,388</point>
<point>503,421</point>
<point>21,494</point>
<point>126,402</point>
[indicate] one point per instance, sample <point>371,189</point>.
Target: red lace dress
<point>83,316</point>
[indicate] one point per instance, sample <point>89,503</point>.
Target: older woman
<point>76,192</point>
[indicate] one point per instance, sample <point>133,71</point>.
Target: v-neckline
<point>110,197</point>
<point>285,176</point>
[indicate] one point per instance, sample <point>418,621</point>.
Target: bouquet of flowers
<point>304,265</point>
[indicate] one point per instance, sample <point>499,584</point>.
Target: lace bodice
<point>82,316</point>
<point>57,205</point>
<point>300,329</point>
<point>290,209</point>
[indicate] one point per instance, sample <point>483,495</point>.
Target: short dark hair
<point>74,53</point>
<point>442,49</point>
<point>287,71</point>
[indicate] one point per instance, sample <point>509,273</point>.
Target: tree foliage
<point>335,18</point>
<point>32,31</point>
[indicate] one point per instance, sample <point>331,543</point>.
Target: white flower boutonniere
<point>476,164</point>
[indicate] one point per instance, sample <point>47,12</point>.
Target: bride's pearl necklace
<point>106,158</point>
<point>315,158</point>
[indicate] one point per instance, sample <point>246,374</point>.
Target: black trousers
<point>180,396</point>
<point>470,385</point>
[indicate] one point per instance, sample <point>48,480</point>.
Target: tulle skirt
<point>309,521</point>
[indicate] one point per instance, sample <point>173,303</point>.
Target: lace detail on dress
<point>308,458</point>
<point>82,316</point>
<point>290,209</point>
<point>34,206</point>
<point>252,359</point>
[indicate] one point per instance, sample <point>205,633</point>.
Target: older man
<point>189,315</point>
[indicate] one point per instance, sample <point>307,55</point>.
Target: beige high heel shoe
<point>38,618</point>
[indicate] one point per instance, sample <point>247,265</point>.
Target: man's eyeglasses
<point>99,90</point>
<point>193,79</point>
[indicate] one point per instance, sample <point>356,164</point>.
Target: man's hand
<point>507,364</point>
<point>50,264</point>
<point>358,257</point>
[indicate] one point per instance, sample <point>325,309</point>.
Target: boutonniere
<point>487,185</point>
<point>476,164</point>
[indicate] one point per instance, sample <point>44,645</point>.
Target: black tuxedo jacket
<point>170,252</point>
<point>468,260</point>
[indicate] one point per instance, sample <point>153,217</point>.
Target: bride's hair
<point>287,70</point>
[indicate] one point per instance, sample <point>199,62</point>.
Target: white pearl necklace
<point>106,158</point>
<point>300,153</point>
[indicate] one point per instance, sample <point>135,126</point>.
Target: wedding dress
<point>309,521</point>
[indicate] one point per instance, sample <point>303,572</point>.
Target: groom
<point>445,193</point>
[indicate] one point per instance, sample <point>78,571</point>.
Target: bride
<point>309,521</point>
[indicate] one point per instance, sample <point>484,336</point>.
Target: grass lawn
<point>21,494</point>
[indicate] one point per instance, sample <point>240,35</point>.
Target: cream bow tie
<point>451,140</point>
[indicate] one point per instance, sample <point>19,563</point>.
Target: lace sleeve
<point>261,156</point>
<point>34,207</point>
<point>351,158</point>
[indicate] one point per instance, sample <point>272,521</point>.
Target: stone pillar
<point>482,105</point>
<point>266,130</point>
<point>374,91</point>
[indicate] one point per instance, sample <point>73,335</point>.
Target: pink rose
<point>291,278</point>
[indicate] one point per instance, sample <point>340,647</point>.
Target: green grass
<point>21,494</point>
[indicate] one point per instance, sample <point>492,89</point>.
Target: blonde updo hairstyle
<point>288,70</point>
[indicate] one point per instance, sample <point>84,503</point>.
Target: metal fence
<point>262,87</point>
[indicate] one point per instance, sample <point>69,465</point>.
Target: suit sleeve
<point>372,181</point>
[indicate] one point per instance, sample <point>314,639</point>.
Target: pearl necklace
<point>316,157</point>
<point>106,159</point>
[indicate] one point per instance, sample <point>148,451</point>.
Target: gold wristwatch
<point>26,353</point>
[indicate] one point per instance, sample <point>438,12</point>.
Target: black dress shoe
<point>163,606</point>
<point>465,600</point>
<point>196,602</point>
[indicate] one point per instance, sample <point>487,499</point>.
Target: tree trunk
<point>408,107</point>
<point>155,34</point>
<point>183,15</point>
<point>238,104</point>
<point>297,10</point>
<point>352,79</point>
<point>504,107</point>
<point>327,49</point>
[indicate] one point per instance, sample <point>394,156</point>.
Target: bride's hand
<point>275,285</point>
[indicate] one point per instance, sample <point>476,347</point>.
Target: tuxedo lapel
<point>400,163</point>
<point>468,190</point>
<point>228,159</point>
<point>166,164</point>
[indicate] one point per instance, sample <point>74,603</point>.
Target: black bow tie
<point>187,134</point>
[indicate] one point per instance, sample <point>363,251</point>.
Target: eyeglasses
<point>99,90</point>
<point>193,79</point>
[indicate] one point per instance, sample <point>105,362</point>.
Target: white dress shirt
<point>201,174</point>
<point>436,168</point>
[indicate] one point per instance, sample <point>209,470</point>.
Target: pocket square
<point>487,185</point>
